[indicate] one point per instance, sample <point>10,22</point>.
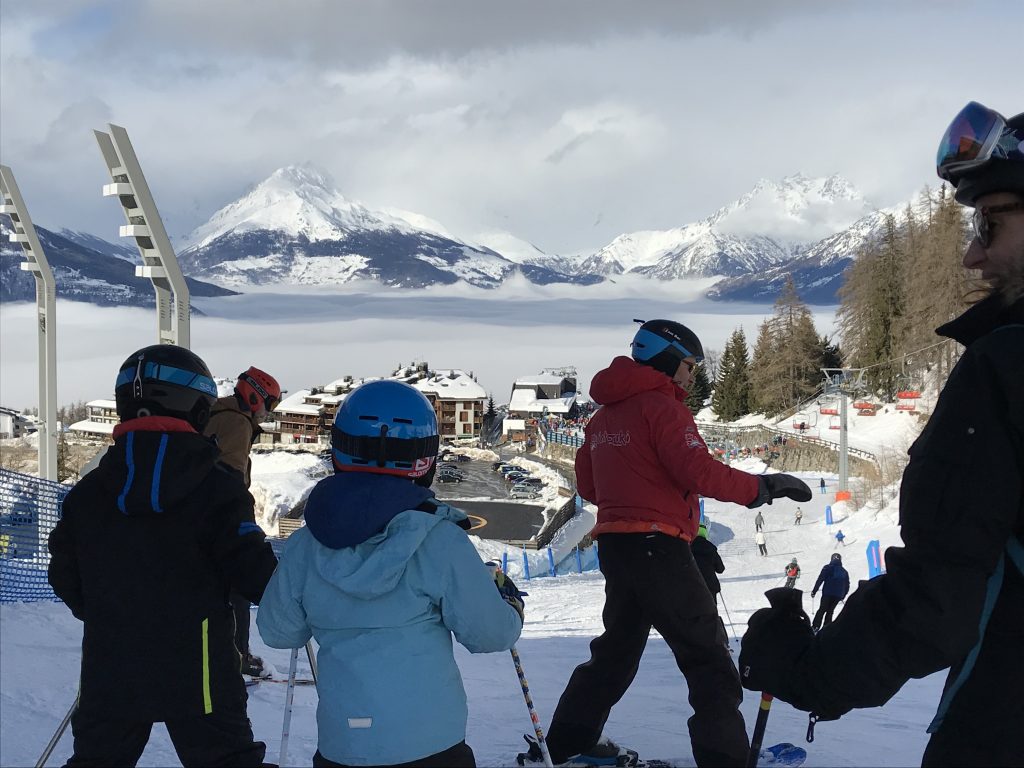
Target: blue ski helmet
<point>386,427</point>
<point>165,380</point>
<point>662,344</point>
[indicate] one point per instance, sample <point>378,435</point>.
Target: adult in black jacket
<point>953,596</point>
<point>834,583</point>
<point>147,548</point>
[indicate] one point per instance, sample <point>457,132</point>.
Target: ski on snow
<point>782,755</point>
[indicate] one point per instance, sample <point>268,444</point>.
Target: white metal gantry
<point>159,263</point>
<point>46,299</point>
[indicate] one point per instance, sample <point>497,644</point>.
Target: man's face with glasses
<point>686,373</point>
<point>998,246</point>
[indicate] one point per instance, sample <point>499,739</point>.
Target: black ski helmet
<point>663,344</point>
<point>165,380</point>
<point>982,153</point>
<point>837,558</point>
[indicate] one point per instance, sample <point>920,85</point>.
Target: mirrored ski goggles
<point>976,135</point>
<point>170,374</point>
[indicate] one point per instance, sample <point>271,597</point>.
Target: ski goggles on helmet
<point>976,135</point>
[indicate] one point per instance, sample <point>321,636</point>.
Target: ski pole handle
<point>529,705</point>
<point>759,729</point>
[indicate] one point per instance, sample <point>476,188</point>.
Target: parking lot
<point>498,517</point>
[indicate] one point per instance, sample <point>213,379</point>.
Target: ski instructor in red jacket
<point>644,464</point>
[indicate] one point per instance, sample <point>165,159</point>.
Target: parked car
<point>447,466</point>
<point>460,457</point>
<point>496,465</point>
<point>536,482</point>
<point>520,492</point>
<point>516,476</point>
<point>443,478</point>
<point>453,473</point>
<point>510,468</point>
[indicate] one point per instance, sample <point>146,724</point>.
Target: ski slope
<point>40,652</point>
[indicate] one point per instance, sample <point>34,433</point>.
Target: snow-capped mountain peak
<point>299,201</point>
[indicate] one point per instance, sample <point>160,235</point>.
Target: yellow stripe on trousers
<point>207,702</point>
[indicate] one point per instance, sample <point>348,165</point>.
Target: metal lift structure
<point>159,263</point>
<point>46,328</point>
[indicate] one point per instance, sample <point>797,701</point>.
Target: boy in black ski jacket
<point>946,601</point>
<point>147,548</point>
<point>834,583</point>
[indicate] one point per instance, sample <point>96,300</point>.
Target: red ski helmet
<point>257,387</point>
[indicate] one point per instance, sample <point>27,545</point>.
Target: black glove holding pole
<point>779,485</point>
<point>507,589</point>
<point>775,640</point>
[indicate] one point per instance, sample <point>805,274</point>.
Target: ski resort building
<point>99,422</point>
<point>551,394</point>
<point>458,400</point>
<point>14,424</point>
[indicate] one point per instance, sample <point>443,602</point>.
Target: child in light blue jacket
<point>383,575</point>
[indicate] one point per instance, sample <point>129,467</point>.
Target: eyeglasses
<point>982,220</point>
<point>690,366</point>
<point>976,135</point>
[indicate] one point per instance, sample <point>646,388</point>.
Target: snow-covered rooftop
<point>102,404</point>
<point>294,403</point>
<point>87,425</point>
<point>451,384</point>
<point>526,400</point>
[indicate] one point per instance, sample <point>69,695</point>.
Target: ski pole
<point>529,705</point>
<point>759,728</point>
<point>731,625</point>
<point>312,659</point>
<point>288,699</point>
<point>57,734</point>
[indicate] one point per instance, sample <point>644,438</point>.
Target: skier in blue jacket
<point>834,583</point>
<point>382,575</point>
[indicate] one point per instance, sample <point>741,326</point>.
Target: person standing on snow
<point>840,538</point>
<point>799,516</point>
<point>644,465</point>
<point>148,546</point>
<point>758,521</point>
<point>762,543</point>
<point>834,583</point>
<point>792,573</point>
<point>382,575</point>
<point>945,601</point>
<point>822,485</point>
<point>235,425</point>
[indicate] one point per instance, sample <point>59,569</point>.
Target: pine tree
<point>731,397</point>
<point>700,390</point>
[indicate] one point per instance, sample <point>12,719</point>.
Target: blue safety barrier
<point>828,515</point>
<point>551,562</point>
<point>874,559</point>
<point>29,509</point>
<point>526,565</point>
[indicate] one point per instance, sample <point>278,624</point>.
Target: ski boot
<point>254,667</point>
<point>604,753</point>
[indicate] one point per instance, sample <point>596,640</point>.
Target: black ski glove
<point>779,485</point>
<point>775,640</point>
<point>510,593</point>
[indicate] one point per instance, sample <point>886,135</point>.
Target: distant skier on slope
<point>758,521</point>
<point>644,465</point>
<point>792,573</point>
<point>762,543</point>
<point>382,575</point>
<point>234,425</point>
<point>834,583</point>
<point>952,595</point>
<point>148,546</point>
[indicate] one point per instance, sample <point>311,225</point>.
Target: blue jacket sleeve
<point>281,619</point>
<point>821,579</point>
<point>471,606</point>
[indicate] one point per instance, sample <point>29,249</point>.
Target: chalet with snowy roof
<point>99,422</point>
<point>458,401</point>
<point>15,424</point>
<point>550,393</point>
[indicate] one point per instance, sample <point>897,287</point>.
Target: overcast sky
<point>564,123</point>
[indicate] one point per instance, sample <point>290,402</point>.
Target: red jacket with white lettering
<point>643,462</point>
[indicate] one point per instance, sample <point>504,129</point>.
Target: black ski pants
<point>825,610</point>
<point>651,580</point>
<point>459,756</point>
<point>763,548</point>
<point>218,739</point>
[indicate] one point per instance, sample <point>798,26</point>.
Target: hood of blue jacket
<point>348,508</point>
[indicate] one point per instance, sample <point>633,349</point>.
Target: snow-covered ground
<point>40,646</point>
